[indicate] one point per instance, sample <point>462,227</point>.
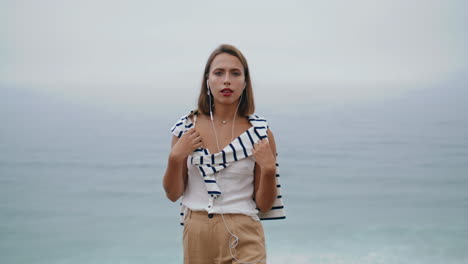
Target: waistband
<point>201,214</point>
<point>205,215</point>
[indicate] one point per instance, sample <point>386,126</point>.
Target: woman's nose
<point>226,79</point>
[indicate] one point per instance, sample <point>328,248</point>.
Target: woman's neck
<point>225,112</point>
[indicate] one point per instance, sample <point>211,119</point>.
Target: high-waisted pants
<point>206,239</point>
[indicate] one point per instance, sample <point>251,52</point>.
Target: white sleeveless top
<point>223,182</point>
<point>237,184</point>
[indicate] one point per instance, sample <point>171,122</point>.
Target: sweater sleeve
<point>182,125</point>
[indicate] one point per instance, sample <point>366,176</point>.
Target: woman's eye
<point>218,73</point>
<point>236,73</point>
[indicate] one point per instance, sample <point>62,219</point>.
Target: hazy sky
<point>126,53</point>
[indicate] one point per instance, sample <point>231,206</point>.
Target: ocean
<point>383,182</point>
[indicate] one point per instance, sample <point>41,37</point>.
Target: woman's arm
<point>175,177</point>
<point>265,173</point>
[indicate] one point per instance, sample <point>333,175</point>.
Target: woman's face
<point>226,78</point>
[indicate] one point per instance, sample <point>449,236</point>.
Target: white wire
<point>235,242</point>
<point>233,239</point>
<point>233,123</point>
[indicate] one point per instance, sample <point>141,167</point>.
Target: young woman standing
<point>223,164</point>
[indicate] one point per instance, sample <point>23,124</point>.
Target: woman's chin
<point>228,101</point>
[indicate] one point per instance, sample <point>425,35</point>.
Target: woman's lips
<point>226,92</point>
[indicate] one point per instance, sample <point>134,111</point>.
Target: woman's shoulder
<point>258,120</point>
<point>184,123</point>
<point>255,116</point>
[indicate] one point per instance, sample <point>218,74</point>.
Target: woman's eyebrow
<point>223,69</point>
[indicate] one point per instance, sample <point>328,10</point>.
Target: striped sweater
<point>241,147</point>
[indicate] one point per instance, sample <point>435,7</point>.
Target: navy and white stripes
<point>241,147</point>
<point>208,164</point>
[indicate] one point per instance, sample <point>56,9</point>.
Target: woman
<point>223,165</point>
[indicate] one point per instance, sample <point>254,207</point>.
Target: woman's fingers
<point>262,153</point>
<point>261,144</point>
<point>199,144</point>
<point>190,131</point>
<point>191,134</point>
<point>257,144</point>
<point>197,137</point>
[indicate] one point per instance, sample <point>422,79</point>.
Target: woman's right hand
<point>186,144</point>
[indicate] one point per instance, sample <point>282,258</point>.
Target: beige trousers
<point>206,239</point>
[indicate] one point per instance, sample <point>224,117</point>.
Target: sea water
<point>380,183</point>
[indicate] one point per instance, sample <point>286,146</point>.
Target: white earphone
<point>232,242</point>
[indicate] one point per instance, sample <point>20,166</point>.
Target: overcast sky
<point>125,53</point>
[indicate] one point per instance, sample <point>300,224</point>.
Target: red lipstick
<point>227,92</point>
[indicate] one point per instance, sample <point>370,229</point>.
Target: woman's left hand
<point>263,154</point>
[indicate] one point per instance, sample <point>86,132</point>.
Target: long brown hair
<point>247,105</point>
